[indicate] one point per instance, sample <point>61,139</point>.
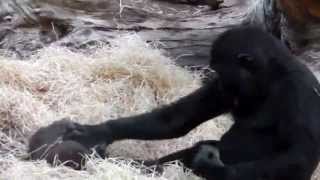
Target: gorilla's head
<point>248,61</point>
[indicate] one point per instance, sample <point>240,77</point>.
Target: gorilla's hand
<point>207,160</point>
<point>87,135</point>
<point>207,155</point>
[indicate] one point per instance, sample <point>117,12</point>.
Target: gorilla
<point>273,98</point>
<point>45,144</point>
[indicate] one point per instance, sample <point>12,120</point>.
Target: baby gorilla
<point>47,144</point>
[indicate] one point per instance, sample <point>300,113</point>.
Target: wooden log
<point>301,12</point>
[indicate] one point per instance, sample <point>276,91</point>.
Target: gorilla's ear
<point>247,61</point>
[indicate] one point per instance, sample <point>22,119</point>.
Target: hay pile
<point>125,78</point>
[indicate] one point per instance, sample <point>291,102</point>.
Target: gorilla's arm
<point>186,156</point>
<point>170,121</point>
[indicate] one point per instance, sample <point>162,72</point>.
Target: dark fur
<point>273,98</point>
<point>45,144</point>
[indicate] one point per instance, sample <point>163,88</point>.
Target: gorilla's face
<point>243,68</point>
<point>242,74</point>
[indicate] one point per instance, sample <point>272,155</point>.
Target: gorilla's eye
<point>210,155</point>
<point>247,61</point>
<point>245,58</point>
